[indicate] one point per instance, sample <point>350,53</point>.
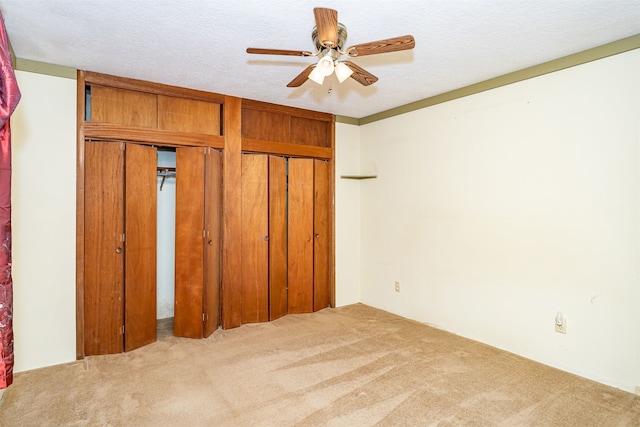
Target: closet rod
<point>166,172</point>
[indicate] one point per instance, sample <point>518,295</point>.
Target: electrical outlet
<point>562,328</point>
<point>397,286</point>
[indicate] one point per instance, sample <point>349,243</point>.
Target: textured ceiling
<point>201,43</point>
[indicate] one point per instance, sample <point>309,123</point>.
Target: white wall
<point>347,215</point>
<point>44,220</point>
<point>166,253</point>
<point>497,210</point>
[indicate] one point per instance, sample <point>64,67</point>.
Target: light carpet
<point>349,366</point>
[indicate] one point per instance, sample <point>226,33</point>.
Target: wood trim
<point>593,54</point>
<point>282,109</point>
<point>232,214</point>
<point>283,148</point>
<point>107,131</point>
<point>45,69</point>
<point>332,216</point>
<point>92,78</point>
<point>80,111</point>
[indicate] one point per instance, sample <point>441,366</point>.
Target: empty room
<point>292,213</point>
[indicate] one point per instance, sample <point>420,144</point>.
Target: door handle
<point>118,250</point>
<point>317,236</point>
<point>266,238</point>
<point>210,242</point>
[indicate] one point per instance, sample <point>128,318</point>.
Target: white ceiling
<point>201,44</point>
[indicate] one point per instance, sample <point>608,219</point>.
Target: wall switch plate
<point>397,286</point>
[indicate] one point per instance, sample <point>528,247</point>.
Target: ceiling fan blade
<point>383,46</point>
<point>278,52</point>
<point>302,77</point>
<point>360,75</point>
<point>327,26</point>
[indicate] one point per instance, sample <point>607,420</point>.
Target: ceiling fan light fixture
<point>343,72</point>
<point>325,65</point>
<point>316,75</point>
<point>329,38</point>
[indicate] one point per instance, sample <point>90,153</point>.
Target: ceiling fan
<point>329,37</point>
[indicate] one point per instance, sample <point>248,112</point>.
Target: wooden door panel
<point>277,237</point>
<point>188,115</point>
<point>322,234</point>
<point>255,234</point>
<point>140,246</point>
<point>124,107</point>
<point>189,256</point>
<point>300,236</point>
<point>213,212</point>
<point>104,262</point>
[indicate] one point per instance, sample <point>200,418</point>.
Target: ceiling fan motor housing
<point>342,38</point>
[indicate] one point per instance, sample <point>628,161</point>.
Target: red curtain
<point>9,97</point>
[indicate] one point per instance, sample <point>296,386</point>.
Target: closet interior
<point>212,210</point>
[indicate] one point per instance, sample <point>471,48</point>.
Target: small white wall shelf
<point>358,176</point>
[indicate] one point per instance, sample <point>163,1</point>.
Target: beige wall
<point>347,200</point>
<point>497,210</point>
<point>43,220</point>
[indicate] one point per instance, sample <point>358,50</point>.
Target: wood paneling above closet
<point>287,125</point>
<point>131,108</point>
<point>188,115</point>
<point>124,107</point>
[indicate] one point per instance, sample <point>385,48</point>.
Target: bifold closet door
<point>300,235</point>
<point>264,237</point>
<point>309,235</point>
<point>213,213</point>
<point>322,234</point>
<point>120,247</point>
<point>278,299</point>
<point>197,247</point>
<point>255,238</point>
<point>140,246</point>
<point>104,247</point>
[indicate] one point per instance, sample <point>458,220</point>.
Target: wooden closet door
<point>189,256</point>
<point>300,236</point>
<point>322,234</point>
<point>103,257</point>
<point>213,212</point>
<point>278,300</point>
<point>140,246</point>
<point>255,239</point>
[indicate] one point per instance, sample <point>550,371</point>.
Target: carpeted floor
<point>350,366</point>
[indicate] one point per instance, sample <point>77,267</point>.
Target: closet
<point>120,217</point>
<point>253,211</point>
